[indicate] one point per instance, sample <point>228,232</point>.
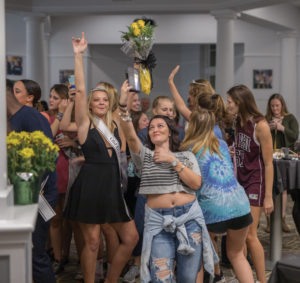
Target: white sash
<point>102,128</point>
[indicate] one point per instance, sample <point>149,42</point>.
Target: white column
<point>35,49</point>
<point>46,36</point>
<point>225,50</point>
<point>3,174</point>
<point>6,195</point>
<point>288,71</point>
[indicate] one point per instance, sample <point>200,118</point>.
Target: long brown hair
<point>244,99</point>
<point>199,86</point>
<point>174,142</point>
<point>216,105</point>
<point>63,92</point>
<point>200,133</point>
<point>284,110</point>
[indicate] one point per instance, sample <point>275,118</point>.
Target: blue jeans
<point>164,251</point>
<point>139,219</point>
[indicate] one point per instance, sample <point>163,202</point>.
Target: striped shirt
<point>161,178</point>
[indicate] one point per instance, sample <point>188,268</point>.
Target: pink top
<point>62,165</point>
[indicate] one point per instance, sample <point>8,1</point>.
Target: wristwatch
<point>174,162</point>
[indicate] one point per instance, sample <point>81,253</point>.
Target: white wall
<point>15,40</point>
<point>261,51</point>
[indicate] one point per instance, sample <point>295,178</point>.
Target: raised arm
<point>179,102</point>
<point>264,137</point>
<point>81,115</point>
<point>125,121</point>
<point>66,124</point>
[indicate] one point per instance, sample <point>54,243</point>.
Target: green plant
<point>30,152</point>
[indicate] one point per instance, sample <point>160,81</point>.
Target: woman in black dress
<point>96,198</point>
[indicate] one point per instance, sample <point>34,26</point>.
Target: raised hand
<point>173,73</point>
<point>124,92</point>
<point>62,105</point>
<point>79,44</point>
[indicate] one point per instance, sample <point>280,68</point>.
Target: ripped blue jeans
<point>164,251</point>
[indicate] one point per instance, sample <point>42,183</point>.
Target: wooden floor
<point>290,245</point>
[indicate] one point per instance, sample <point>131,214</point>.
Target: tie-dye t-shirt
<point>220,196</point>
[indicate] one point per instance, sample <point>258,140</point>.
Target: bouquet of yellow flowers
<point>137,43</point>
<point>138,40</point>
<point>29,155</point>
<point>30,152</point>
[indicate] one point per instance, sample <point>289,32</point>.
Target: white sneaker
<point>132,274</point>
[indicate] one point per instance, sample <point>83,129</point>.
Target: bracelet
<point>126,119</point>
<point>122,105</point>
<point>60,114</point>
<point>124,113</point>
<point>123,109</point>
<point>58,117</point>
<point>181,169</point>
<point>125,116</point>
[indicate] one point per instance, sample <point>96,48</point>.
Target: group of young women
<point>195,189</point>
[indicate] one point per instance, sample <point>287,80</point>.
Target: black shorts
<point>234,224</point>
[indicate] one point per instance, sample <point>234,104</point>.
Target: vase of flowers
<point>137,43</point>
<point>29,156</point>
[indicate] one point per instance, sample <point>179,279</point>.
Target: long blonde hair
<point>113,92</point>
<point>200,133</point>
<point>216,105</point>
<point>108,117</point>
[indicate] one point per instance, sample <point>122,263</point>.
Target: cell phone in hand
<point>71,80</point>
<point>133,79</point>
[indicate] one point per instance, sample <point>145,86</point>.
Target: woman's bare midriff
<point>157,201</point>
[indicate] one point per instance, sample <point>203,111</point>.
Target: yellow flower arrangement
<point>26,153</point>
<point>138,40</point>
<point>137,43</point>
<point>30,152</point>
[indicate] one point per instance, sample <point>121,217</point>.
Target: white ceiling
<point>59,7</point>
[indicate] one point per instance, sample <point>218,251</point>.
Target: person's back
<point>220,196</point>
<point>23,118</point>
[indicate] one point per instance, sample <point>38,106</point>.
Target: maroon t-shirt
<point>249,161</point>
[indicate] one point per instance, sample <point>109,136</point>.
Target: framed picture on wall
<point>64,75</point>
<point>262,78</point>
<point>14,65</point>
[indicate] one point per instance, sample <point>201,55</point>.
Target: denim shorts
<point>164,251</point>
